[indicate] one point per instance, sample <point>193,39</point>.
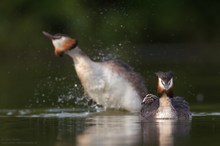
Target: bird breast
<point>107,87</point>
<point>166,110</point>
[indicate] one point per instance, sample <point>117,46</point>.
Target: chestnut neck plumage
<point>161,92</point>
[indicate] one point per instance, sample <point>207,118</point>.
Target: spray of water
<point>58,92</point>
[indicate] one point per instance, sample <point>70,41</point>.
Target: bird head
<point>165,82</point>
<point>61,43</point>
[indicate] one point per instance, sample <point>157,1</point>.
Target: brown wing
<point>149,106</point>
<point>182,107</point>
<point>129,74</point>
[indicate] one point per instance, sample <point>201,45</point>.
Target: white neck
<point>78,55</point>
<point>83,64</point>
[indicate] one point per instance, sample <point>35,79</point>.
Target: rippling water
<point>65,127</point>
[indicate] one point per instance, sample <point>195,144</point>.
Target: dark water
<point>68,127</point>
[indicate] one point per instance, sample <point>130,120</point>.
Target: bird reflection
<point>111,131</point>
<point>129,131</point>
<point>164,132</point>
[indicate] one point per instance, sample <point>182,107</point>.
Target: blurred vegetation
<point>182,36</point>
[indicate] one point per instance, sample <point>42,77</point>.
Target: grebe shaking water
<point>112,84</point>
<point>166,106</point>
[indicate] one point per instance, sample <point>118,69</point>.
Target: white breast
<point>108,88</point>
<point>166,110</point>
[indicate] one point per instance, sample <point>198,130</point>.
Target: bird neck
<point>84,66</point>
<point>165,97</point>
<point>161,92</point>
<point>78,55</point>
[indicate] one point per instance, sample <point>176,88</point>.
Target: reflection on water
<point>163,132</point>
<point>129,131</point>
<point>65,128</point>
<point>111,131</point>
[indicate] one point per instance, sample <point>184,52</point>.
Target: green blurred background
<point>182,36</point>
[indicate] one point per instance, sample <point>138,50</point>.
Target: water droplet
<point>9,113</point>
<point>59,100</point>
<point>200,97</point>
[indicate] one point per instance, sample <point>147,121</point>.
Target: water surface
<point>65,127</point>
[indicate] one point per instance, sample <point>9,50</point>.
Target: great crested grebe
<point>112,84</point>
<point>165,106</point>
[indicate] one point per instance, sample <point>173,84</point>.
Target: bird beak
<point>166,87</point>
<point>52,37</point>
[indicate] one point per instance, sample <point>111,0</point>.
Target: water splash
<point>58,92</point>
<point>45,113</point>
<point>106,53</point>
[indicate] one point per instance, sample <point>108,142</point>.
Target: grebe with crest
<point>165,106</point>
<point>112,84</point>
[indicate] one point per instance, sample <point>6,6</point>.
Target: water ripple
<point>69,112</point>
<point>204,114</point>
<point>46,113</point>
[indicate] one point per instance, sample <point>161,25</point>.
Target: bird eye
<point>162,83</point>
